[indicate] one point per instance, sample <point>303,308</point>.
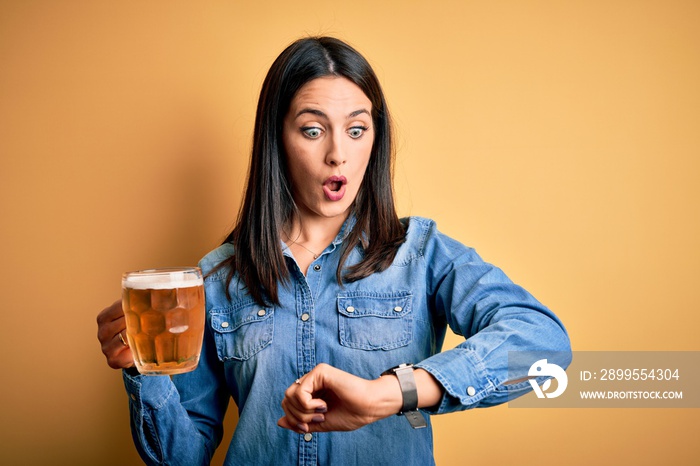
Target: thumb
<point>313,384</point>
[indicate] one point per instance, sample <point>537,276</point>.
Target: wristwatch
<point>407,382</point>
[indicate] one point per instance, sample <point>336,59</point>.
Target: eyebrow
<point>319,113</point>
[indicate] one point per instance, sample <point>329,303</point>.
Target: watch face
<point>397,369</point>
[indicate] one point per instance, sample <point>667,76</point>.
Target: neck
<point>306,238</point>
<point>313,232</point>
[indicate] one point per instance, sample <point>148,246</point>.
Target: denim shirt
<point>253,353</point>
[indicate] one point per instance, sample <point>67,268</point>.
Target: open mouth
<point>334,187</point>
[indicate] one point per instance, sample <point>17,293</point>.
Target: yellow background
<point>559,138</point>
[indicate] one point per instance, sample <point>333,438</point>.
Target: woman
<point>321,288</point>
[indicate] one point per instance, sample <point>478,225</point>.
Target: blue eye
<point>356,132</point>
<point>311,132</point>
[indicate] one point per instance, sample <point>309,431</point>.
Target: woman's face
<point>328,138</point>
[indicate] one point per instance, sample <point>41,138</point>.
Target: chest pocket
<point>242,332</point>
<point>374,321</point>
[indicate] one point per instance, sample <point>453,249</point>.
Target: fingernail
<point>321,409</point>
<point>318,418</point>
<point>302,427</point>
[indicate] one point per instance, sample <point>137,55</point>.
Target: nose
<point>335,153</point>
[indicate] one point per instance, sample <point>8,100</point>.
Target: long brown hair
<point>268,203</point>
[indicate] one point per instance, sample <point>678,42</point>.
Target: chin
<point>334,210</point>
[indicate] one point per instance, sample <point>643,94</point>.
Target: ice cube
<point>139,300</point>
<point>143,348</point>
<point>133,323</point>
<point>163,300</point>
<point>152,323</point>
<point>177,320</point>
<point>189,297</point>
<point>166,348</point>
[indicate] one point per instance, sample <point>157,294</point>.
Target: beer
<point>164,311</point>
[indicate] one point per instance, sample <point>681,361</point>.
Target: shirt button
<point>471,391</point>
<point>308,437</point>
<point>133,397</point>
<point>350,309</point>
<point>224,324</point>
<point>317,267</point>
<point>398,309</point>
<point>305,317</point>
<point>262,312</point>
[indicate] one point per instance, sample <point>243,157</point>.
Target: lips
<point>334,188</point>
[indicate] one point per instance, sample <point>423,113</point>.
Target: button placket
<point>306,345</point>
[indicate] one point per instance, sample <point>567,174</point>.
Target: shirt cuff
<point>151,391</point>
<point>463,376</point>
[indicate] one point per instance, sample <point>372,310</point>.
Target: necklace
<point>315,255</point>
<point>299,244</point>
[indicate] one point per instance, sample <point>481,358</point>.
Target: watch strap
<point>409,392</point>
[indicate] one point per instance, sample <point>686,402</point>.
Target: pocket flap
<point>389,306</point>
<point>229,320</point>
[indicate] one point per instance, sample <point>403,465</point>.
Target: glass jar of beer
<point>164,311</point>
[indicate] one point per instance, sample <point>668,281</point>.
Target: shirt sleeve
<point>497,318</point>
<point>179,420</point>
